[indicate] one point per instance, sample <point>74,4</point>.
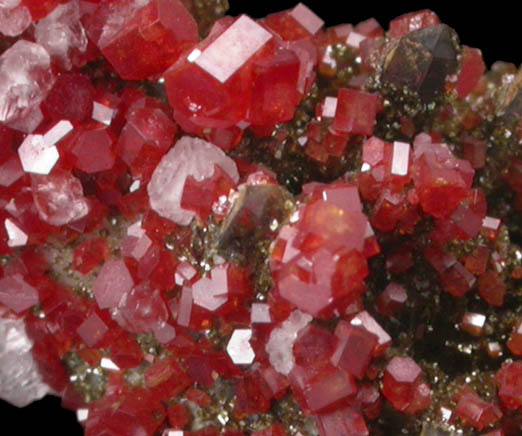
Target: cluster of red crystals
<point>319,261</point>
<point>107,194</point>
<point>124,30</point>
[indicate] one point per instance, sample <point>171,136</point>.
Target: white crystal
<point>20,381</point>
<point>59,131</point>
<point>103,114</point>
<point>171,432</point>
<point>82,415</point>
<point>189,157</point>
<point>354,39</point>
<point>37,156</point>
<point>135,186</point>
<point>58,197</point>
<point>14,20</point>
<point>233,48</point>
<point>260,313</point>
<point>61,31</point>
<point>25,80</point>
<point>108,364</point>
<point>401,158</point>
<point>17,237</point>
<point>280,344</point>
<point>306,18</point>
<point>329,107</point>
<point>211,293</point>
<point>491,223</point>
<point>239,348</point>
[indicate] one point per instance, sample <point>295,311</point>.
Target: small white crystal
<point>233,48</point>
<point>354,39</point>
<point>82,415</point>
<point>329,107</point>
<point>401,158</point>
<point>103,114</point>
<point>37,156</point>
<point>171,432</point>
<point>239,348</point>
<point>17,237</point>
<point>211,293</point>
<point>58,132</point>
<point>281,342</point>
<point>108,364</point>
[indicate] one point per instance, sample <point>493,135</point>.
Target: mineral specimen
<point>228,225</point>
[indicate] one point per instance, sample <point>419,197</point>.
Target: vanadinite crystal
<point>217,225</point>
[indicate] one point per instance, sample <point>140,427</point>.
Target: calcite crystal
<point>228,225</point>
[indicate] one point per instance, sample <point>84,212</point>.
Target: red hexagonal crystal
<point>402,386</point>
<point>141,38</point>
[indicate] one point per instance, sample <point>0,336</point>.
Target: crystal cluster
<point>222,225</point>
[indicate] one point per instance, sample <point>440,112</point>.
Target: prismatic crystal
<point>217,225</point>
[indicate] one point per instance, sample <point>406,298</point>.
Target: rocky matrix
<point>215,225</point>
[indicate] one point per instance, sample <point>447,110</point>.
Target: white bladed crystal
<point>233,48</point>
<point>20,381</point>
<point>189,157</point>
<point>401,158</point>
<point>239,348</point>
<point>58,132</point>
<point>329,107</point>
<point>281,342</point>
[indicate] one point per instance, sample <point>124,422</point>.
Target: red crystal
<point>475,411</point>
<point>403,387</point>
<point>413,21</point>
<point>351,105</point>
<point>354,349</point>
<point>141,38</point>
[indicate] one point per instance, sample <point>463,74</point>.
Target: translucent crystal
<point>20,380</point>
<point>14,20</point>
<point>25,80</point>
<point>62,33</point>
<point>59,198</point>
<point>281,341</point>
<point>113,282</point>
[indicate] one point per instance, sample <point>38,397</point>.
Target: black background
<point>494,29</point>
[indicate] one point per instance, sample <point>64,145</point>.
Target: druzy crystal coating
<point>215,225</point>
